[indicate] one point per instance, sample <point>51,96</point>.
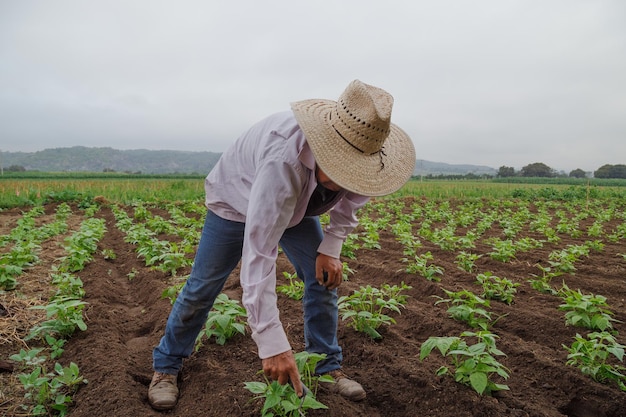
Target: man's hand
<point>283,368</point>
<point>333,269</point>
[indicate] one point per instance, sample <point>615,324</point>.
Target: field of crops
<point>460,299</point>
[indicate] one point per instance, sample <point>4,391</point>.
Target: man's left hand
<point>328,271</point>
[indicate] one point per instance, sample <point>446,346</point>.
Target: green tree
<point>537,169</point>
<point>619,171</point>
<point>505,171</point>
<point>611,171</point>
<point>578,173</point>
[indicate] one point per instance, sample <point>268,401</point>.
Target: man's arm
<point>273,197</point>
<point>343,220</point>
<point>328,266</point>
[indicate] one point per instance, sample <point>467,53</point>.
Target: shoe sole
<point>162,407</point>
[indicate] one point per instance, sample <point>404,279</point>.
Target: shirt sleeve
<point>342,221</point>
<point>273,196</point>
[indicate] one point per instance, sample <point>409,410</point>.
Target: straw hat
<point>354,141</point>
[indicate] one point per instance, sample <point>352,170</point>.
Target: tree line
<point>539,169</point>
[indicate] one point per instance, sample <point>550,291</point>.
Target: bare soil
<point>126,318</point>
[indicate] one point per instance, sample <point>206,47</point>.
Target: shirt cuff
<point>331,246</point>
<point>271,342</point>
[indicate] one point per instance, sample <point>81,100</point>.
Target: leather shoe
<point>163,391</point>
<point>345,386</point>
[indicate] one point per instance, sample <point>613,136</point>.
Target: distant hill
<point>423,167</point>
<point>81,158</point>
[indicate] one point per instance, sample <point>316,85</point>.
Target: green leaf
<point>503,373</point>
<point>326,378</point>
<point>479,381</point>
<point>255,387</point>
<point>477,348</point>
<point>618,352</point>
<point>272,399</point>
<point>600,322</point>
<point>442,371</point>
<point>223,321</point>
<point>81,325</point>
<point>496,351</point>
<point>240,328</point>
<point>289,406</point>
<point>441,343</point>
<point>310,402</point>
<point>460,352</point>
<point>499,387</point>
<point>371,332</point>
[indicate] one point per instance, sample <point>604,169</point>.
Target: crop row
<point>48,386</point>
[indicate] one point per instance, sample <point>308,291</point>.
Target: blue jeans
<point>218,253</point>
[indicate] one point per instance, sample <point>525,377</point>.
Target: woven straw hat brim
<point>368,175</point>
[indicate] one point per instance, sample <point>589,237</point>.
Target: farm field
<point>542,262</point>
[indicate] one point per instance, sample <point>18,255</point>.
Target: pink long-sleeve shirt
<point>266,180</point>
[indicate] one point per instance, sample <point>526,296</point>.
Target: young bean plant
<point>496,288</point>
<point>282,400</point>
<point>467,307</point>
<point>542,283</point>
<point>226,319</point>
<point>420,265</point>
<point>81,245</point>
<point>365,309</point>
<point>592,356</point>
<point>47,393</point>
<point>503,250</point>
<point>172,291</point>
<point>472,365</point>
<point>466,261</point>
<point>65,315</point>
<point>307,362</point>
<point>294,289</point>
<point>585,310</point>
<point>350,246</point>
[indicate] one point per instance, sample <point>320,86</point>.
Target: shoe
<point>345,386</point>
<point>163,392</point>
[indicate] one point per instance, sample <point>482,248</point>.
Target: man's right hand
<point>283,368</point>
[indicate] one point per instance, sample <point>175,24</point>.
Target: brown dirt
<point>126,318</point>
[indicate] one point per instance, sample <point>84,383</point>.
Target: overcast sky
<point>485,82</point>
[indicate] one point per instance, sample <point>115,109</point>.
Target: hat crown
<point>363,116</point>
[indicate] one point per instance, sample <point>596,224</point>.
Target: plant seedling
<point>496,288</point>
<point>65,314</point>
<point>471,365</point>
<point>466,261</point>
<point>591,355</point>
<point>226,319</point>
<point>586,310</point>
<point>366,308</point>
<point>47,393</point>
<point>294,289</point>
<point>282,400</point>
<point>420,265</point>
<point>467,307</point>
